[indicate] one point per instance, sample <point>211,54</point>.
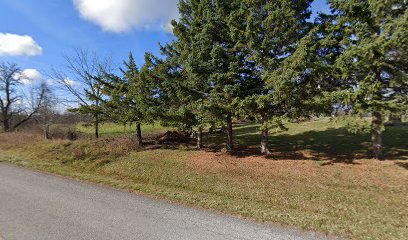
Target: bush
<point>68,133</point>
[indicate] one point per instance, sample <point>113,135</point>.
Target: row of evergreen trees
<point>266,60</point>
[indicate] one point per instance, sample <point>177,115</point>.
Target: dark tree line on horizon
<point>257,59</point>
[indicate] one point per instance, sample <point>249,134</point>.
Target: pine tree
<point>374,60</point>
<point>171,91</point>
<point>194,46</point>
<point>273,32</point>
<point>129,99</point>
<point>230,79</point>
<point>210,70</point>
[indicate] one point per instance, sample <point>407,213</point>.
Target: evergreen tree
<point>194,46</point>
<point>230,79</point>
<point>210,74</point>
<point>273,32</point>
<point>171,91</point>
<point>129,98</point>
<point>228,61</point>
<point>374,62</point>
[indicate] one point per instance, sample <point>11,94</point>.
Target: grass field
<point>112,129</point>
<point>296,186</point>
<point>322,139</point>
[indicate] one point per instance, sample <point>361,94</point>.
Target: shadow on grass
<point>402,164</point>
<point>335,144</point>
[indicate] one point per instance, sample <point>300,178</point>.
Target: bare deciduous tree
<point>12,102</point>
<point>47,113</point>
<point>77,78</point>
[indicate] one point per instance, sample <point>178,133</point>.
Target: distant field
<point>297,185</point>
<point>112,129</point>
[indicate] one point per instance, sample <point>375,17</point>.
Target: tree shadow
<point>334,144</point>
<point>402,164</point>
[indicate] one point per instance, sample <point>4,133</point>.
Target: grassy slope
<point>365,200</point>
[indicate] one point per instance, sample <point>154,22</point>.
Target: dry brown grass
<point>363,200</point>
<point>11,140</point>
<point>363,172</point>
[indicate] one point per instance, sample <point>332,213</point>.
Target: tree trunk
<point>200,137</point>
<point>230,147</point>
<point>395,118</point>
<point>264,142</point>
<point>6,125</point>
<point>376,135</point>
<point>96,126</point>
<point>47,132</point>
<point>264,139</point>
<point>139,134</point>
<point>212,129</point>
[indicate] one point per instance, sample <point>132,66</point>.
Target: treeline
<point>30,105</point>
<point>260,60</point>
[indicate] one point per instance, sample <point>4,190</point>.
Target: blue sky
<point>108,27</point>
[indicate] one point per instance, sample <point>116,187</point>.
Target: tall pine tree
<point>374,62</point>
<point>273,32</point>
<point>231,78</point>
<point>213,71</point>
<point>129,99</point>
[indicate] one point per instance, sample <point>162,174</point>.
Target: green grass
<point>113,129</point>
<point>364,200</point>
<point>322,139</point>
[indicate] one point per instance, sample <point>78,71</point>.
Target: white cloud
<point>18,45</point>
<point>66,81</point>
<point>69,82</point>
<point>123,15</point>
<point>168,27</point>
<point>33,74</point>
<point>28,76</point>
